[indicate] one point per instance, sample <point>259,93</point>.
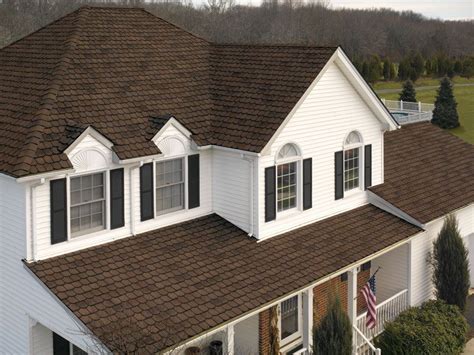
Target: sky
<point>443,9</point>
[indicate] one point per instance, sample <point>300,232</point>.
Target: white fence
<point>409,112</point>
<point>387,311</point>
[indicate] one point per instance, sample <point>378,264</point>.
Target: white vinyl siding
<point>319,127</point>
<point>25,299</point>
<point>231,187</point>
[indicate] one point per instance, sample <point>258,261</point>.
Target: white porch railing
<point>387,311</point>
<point>364,346</point>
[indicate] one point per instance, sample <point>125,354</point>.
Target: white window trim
<point>185,197</point>
<point>95,233</point>
<point>298,334</point>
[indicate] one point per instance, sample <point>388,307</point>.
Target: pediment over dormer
<point>90,151</point>
<point>173,139</point>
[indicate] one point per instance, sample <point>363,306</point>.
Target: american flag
<point>369,294</point>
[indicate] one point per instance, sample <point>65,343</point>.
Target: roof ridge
<point>40,116</point>
<point>273,45</point>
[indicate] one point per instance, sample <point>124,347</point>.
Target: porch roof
<point>165,286</point>
<point>428,171</point>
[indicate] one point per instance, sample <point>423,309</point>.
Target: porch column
<point>308,319</point>
<point>352,295</point>
<point>229,340</point>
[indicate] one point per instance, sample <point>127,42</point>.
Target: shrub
<point>334,333</point>
<point>433,328</point>
<point>451,265</point>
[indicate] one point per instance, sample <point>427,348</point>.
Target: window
<point>287,177</point>
<point>352,147</point>
<point>87,204</point>
<point>286,188</point>
<point>351,169</point>
<point>289,317</point>
<point>169,186</point>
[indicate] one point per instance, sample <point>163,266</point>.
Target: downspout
<point>251,222</point>
<point>130,183</point>
<point>33,217</point>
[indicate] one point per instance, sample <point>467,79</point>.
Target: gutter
<point>233,150</point>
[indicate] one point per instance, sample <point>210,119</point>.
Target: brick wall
<point>335,286</point>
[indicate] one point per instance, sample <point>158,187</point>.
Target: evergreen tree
<point>408,92</point>
<point>403,70</point>
<point>417,64</point>
<point>393,74</point>
<point>386,70</point>
<point>428,67</point>
<point>365,70</point>
<point>451,265</point>
<point>458,67</point>
<point>445,113</point>
<point>333,335</point>
<point>468,67</point>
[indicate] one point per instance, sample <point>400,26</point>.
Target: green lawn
<point>420,82</point>
<point>464,97</point>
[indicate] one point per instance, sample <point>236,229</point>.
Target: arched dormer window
<point>352,156</point>
<point>288,165</point>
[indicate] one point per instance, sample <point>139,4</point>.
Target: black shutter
<point>307,183</point>
<point>339,174</point>
<point>146,192</point>
<point>193,181</point>
<point>368,166</point>
<point>270,194</point>
<point>58,198</point>
<point>116,199</point>
<point>60,345</point>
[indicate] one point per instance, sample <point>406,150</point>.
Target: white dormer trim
<point>359,84</point>
<point>172,122</point>
<point>89,131</point>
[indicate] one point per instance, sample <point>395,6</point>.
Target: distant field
<point>464,97</point>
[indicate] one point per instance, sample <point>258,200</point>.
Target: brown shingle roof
<point>116,68</point>
<point>176,282</point>
<point>428,171</point>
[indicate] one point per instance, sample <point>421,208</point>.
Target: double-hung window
<point>169,186</point>
<point>286,188</point>
<point>352,161</point>
<point>87,204</point>
<point>290,319</point>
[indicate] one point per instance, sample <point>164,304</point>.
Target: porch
<point>293,318</point>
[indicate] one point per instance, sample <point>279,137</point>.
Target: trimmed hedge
<point>433,328</point>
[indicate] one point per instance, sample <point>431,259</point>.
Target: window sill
<point>287,214</point>
<point>353,192</point>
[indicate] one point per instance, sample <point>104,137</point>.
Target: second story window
<point>287,178</point>
<point>169,186</point>
<point>352,155</point>
<point>87,204</point>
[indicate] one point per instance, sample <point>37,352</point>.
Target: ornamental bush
<point>433,328</point>
<point>334,334</point>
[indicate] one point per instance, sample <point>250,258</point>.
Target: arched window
<point>287,177</point>
<point>352,156</point>
<point>287,151</point>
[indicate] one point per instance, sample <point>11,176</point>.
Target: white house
<point>160,192</point>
